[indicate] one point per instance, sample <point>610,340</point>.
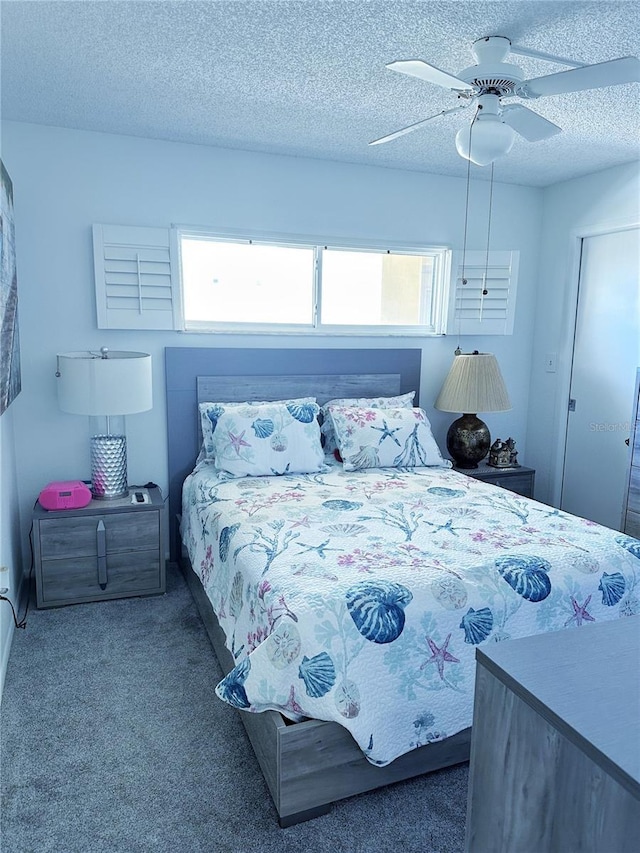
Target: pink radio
<point>71,494</point>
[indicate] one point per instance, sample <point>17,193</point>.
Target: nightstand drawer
<point>521,484</point>
<point>519,480</point>
<point>77,536</point>
<point>77,579</point>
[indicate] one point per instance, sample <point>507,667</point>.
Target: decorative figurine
<point>503,454</point>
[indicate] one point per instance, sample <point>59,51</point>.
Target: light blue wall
<point>10,558</point>
<point>595,202</point>
<point>65,180</point>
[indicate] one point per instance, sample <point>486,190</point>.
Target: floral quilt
<point>360,597</point>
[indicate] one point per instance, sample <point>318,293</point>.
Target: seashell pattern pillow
<point>404,401</point>
<point>384,438</point>
<point>269,439</point>
<point>210,412</point>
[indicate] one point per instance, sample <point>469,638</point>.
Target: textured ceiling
<point>308,77</point>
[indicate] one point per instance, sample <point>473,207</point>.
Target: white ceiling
<point>308,78</point>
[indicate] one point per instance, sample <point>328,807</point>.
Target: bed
<point>426,565</point>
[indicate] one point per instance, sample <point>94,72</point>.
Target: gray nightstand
<point>108,549</point>
<point>520,480</point>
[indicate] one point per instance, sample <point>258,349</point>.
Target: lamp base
<point>468,441</point>
<point>108,467</point>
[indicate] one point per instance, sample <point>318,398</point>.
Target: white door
<point>606,356</point>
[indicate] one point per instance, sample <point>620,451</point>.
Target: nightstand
<point>108,549</point>
<point>520,480</point>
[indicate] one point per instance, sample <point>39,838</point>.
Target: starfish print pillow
<point>404,401</point>
<point>210,412</point>
<point>269,439</point>
<point>384,438</point>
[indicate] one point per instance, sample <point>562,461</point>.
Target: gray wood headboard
<point>195,374</point>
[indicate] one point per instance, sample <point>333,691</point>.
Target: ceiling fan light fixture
<point>488,139</point>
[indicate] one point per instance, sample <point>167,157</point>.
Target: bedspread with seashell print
<point>360,597</point>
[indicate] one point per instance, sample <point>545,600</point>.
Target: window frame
<point>442,259</point>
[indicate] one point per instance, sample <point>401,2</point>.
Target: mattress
<point>360,597</point>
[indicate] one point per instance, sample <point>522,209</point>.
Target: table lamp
<point>107,385</point>
<point>474,384</point>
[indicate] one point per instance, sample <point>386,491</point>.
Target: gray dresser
<point>555,749</point>
<point>631,510</point>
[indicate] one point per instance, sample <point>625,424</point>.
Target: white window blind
<point>136,277</point>
<point>485,305</point>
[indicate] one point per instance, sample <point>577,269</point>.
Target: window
<point>233,284</point>
<point>245,283</point>
<point>195,280</point>
<point>376,289</point>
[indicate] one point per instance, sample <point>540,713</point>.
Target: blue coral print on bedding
<point>361,597</point>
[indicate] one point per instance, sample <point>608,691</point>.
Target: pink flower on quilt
<point>206,565</point>
<point>263,589</point>
<point>480,536</point>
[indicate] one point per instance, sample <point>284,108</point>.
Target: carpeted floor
<point>112,739</point>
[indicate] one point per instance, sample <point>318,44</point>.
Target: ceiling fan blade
<point>416,125</point>
<point>611,73</point>
<point>530,125</point>
<point>418,68</point>
<point>547,57</point>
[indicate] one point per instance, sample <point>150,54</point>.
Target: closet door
<point>606,355</point>
<point>631,514</point>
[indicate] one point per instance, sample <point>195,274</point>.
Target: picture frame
<point>10,373</point>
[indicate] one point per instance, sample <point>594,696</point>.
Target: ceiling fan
<point>486,84</point>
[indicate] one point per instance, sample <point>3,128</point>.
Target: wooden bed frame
<point>311,764</point>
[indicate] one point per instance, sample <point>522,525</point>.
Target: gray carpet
<point>112,739</point>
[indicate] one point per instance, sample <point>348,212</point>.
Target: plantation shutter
<point>136,277</point>
<point>473,312</point>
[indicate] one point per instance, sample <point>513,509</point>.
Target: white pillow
<point>384,438</point>
<point>210,412</point>
<point>273,438</point>
<point>404,401</point>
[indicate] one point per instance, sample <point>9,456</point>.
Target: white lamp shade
<point>474,384</point>
<point>488,139</point>
<point>90,384</point>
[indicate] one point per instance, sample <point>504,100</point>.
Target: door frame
<point>568,334</point>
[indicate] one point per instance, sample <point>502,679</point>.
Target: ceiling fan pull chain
<point>486,262</point>
<point>464,239</point>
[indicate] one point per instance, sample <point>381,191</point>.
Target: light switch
<point>550,362</point>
